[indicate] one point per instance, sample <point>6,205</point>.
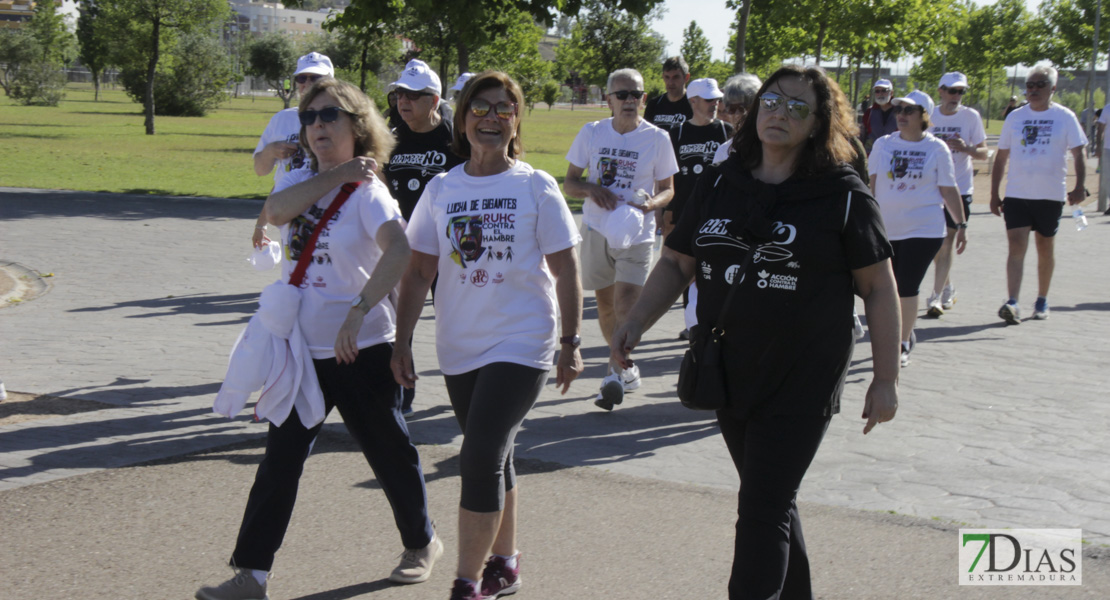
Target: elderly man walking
<point>1038,137</point>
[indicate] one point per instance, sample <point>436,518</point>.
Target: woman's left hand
<point>346,343</point>
<point>880,404</point>
<point>961,240</point>
<point>568,368</point>
<point>259,239</point>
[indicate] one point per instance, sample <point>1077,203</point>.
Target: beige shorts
<point>603,266</point>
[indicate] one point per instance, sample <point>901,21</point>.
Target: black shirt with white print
<point>665,114</point>
<point>694,147</point>
<point>415,160</point>
<point>788,339</point>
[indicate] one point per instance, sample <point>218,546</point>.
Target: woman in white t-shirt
<point>502,240</point>
<point>348,324</point>
<point>913,179</point>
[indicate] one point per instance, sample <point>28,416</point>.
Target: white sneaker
<point>857,326</point>
<point>631,379</point>
<point>612,391</point>
<point>935,310</point>
<point>948,297</point>
<point>416,565</point>
<point>905,354</point>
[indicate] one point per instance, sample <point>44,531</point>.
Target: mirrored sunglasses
<point>327,115</point>
<point>308,77</point>
<point>623,95</point>
<point>481,108</point>
<point>797,109</point>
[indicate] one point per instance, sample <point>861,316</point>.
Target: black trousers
<point>369,400</point>
<point>771,455</point>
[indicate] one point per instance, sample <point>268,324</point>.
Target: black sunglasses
<point>411,95</point>
<point>1040,85</point>
<point>957,91</point>
<point>309,77</point>
<point>327,115</point>
<point>624,94</point>
<point>908,109</point>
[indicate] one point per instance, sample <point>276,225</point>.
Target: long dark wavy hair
<point>828,148</point>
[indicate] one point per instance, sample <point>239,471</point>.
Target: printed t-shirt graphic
<point>665,114</point>
<point>495,301</point>
<point>415,160</point>
<point>695,146</point>
<point>1039,143</point>
<point>966,124</point>
<point>623,163</point>
<point>907,184</point>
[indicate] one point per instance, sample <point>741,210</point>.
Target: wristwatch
<point>574,340</point>
<point>961,225</point>
<point>360,303</point>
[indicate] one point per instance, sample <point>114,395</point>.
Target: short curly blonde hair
<point>372,135</point>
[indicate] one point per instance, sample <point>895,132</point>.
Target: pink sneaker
<point>498,579</point>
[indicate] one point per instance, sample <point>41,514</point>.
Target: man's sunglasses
<point>623,95</point>
<point>308,78</point>
<point>327,115</point>
<point>481,108</point>
<point>957,91</point>
<point>907,109</point>
<point>1040,85</point>
<point>411,95</point>
<point>797,109</point>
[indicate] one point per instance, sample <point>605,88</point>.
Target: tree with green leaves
<point>18,49</point>
<point>1068,29</point>
<point>696,50</point>
<point>272,58</point>
<point>146,29</point>
<point>551,91</point>
<point>94,43</point>
<point>192,79</point>
<point>603,40</point>
<point>517,52</point>
<point>49,27</point>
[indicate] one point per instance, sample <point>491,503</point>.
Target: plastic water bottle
<point>1080,219</point>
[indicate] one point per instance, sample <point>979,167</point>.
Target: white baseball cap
<point>953,79</point>
<point>884,83</point>
<point>916,98</point>
<point>461,81</point>
<point>704,88</point>
<point>315,63</point>
<point>418,77</point>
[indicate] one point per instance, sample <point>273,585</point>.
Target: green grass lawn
<point>101,145</point>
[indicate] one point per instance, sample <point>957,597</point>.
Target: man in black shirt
<point>671,108</point>
<point>695,143</point>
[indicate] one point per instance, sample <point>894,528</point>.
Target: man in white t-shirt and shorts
<point>961,128</point>
<point>1037,138</point>
<point>622,160</point>
<point>279,150</point>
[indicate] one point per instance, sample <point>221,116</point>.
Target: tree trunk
<point>96,85</point>
<point>362,63</point>
<point>464,57</point>
<point>859,67</point>
<point>151,66</point>
<point>821,29</point>
<point>741,36</point>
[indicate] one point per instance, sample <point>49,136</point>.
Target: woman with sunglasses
<point>914,180</point>
<point>279,149</point>
<point>786,195</point>
<point>502,239</point>
<point>739,90</point>
<point>348,324</point>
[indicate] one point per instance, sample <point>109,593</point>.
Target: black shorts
<point>911,260</point>
<point>967,212</point>
<point>1042,215</point>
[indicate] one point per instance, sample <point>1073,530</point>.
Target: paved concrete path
<point>998,426</point>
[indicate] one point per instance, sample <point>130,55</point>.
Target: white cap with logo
<point>916,98</point>
<point>315,63</point>
<point>418,77</point>
<point>704,88</point>
<point>461,81</point>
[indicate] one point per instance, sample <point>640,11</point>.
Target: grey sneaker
<point>416,565</point>
<point>243,586</point>
<point>612,391</point>
<point>1010,313</point>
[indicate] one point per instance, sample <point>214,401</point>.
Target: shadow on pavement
<point>192,304</point>
<point>14,205</point>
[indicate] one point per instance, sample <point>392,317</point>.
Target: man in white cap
<point>423,147</point>
<point>630,161</point>
<point>460,82</point>
<point>880,121</point>
<point>279,145</point>
<point>961,128</point>
<point>695,142</point>
<point>1038,138</point>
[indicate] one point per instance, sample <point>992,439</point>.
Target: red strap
<point>297,278</point>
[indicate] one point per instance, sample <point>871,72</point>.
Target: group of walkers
<point>767,212</point>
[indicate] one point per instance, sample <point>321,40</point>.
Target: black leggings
<point>912,257</point>
<point>771,455</point>
<point>490,403</point>
<point>369,400</point>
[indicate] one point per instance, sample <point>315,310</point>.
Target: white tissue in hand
<point>264,258</point>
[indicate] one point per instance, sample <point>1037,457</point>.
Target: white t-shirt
<point>1104,118</point>
<point>495,300</point>
<point>346,254</point>
<point>1039,143</point>
<point>623,163</point>
<point>907,184</point>
<point>285,126</point>
<point>965,124</point>
<point>722,151</point>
